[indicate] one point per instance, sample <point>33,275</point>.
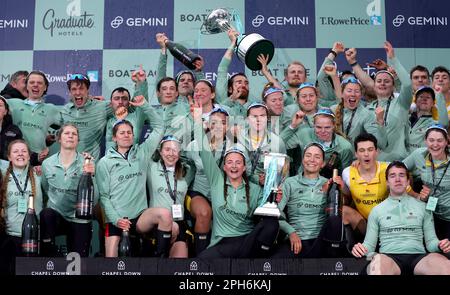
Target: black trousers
<point>331,242</point>
<point>78,235</point>
<point>258,243</point>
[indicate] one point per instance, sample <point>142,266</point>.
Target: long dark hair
<point>7,120</point>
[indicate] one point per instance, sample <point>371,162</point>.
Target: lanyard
<point>224,147</point>
<point>387,110</point>
<point>172,193</point>
<point>347,130</point>
<point>22,191</point>
<point>433,175</point>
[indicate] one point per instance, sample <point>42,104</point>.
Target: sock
<point>48,248</point>
<point>349,236</point>
<point>201,242</point>
<point>163,243</point>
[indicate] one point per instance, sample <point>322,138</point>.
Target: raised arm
<point>405,97</point>
<point>222,71</point>
<point>161,39</point>
<point>362,76</point>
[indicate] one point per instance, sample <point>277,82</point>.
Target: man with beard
<point>232,92</point>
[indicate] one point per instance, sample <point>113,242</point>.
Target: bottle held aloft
<point>184,55</point>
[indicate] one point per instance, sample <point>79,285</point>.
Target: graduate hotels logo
<point>72,22</point>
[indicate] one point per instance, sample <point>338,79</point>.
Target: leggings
<point>258,243</point>
<point>53,224</point>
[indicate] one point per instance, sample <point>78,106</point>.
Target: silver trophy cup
<point>276,167</point>
<point>248,47</point>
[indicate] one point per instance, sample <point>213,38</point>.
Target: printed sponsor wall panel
<point>420,24</point>
<point>189,17</point>
<point>432,57</point>
<point>357,23</point>
<point>68,25</point>
<point>119,64</point>
<point>12,61</point>
<point>288,24</point>
<point>134,24</point>
<point>59,65</point>
<point>17,24</point>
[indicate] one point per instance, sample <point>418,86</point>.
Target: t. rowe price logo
<point>280,20</point>
<point>420,20</point>
<point>373,10</point>
<point>139,22</point>
<point>67,26</point>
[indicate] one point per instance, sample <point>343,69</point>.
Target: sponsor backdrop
<point>108,39</point>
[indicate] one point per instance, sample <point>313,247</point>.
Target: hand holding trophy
<point>248,47</point>
<point>277,167</point>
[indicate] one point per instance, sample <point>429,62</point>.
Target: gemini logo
<point>398,20</point>
<point>258,20</point>
<point>139,22</point>
<point>280,21</point>
<point>116,22</point>
<point>420,21</point>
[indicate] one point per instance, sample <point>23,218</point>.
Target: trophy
<point>277,168</point>
<point>248,47</point>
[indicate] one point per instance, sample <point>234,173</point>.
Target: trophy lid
<point>218,21</point>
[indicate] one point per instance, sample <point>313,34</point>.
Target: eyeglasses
<point>220,110</point>
<point>234,150</point>
<point>438,126</point>
<point>324,111</point>
<point>317,144</point>
<point>350,80</point>
<point>78,77</point>
<point>271,90</point>
<point>169,138</point>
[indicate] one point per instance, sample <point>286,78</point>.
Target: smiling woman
<point>20,185</point>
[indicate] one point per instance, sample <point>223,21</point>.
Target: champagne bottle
<point>125,244</point>
<point>184,55</point>
<point>85,196</point>
<point>30,231</point>
<point>334,198</point>
<point>327,171</point>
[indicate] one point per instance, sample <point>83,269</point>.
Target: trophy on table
<point>248,47</point>
<point>276,167</point>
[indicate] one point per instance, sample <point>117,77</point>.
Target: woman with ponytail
<point>235,231</point>
<point>353,119</point>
